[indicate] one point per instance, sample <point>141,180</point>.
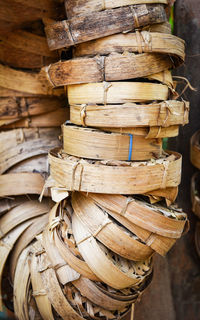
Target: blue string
<point>130,147</point>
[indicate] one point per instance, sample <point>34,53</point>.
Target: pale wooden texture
<point>163,114</point>
<point>138,42</point>
<point>195,149</point>
<point>108,68</point>
<point>116,92</point>
<point>114,176</point>
<point>95,144</point>
<point>81,7</point>
<point>94,25</point>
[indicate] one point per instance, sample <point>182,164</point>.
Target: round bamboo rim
<point>159,232</point>
<point>116,92</point>
<point>95,144</point>
<point>114,177</point>
<point>104,229</point>
<point>112,269</point>
<point>195,149</point>
<point>79,29</point>
<point>139,42</point>
<point>74,8</point>
<point>67,249</point>
<point>113,67</point>
<point>195,183</point>
<point>163,114</point>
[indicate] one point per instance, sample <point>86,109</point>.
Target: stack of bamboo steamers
<point>113,184</point>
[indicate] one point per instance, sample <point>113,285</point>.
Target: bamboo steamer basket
<point>32,56</point>
<point>138,42</point>
<point>195,194</point>
<point>66,248</point>
<point>115,177</point>
<point>27,82</point>
<point>113,67</point>
<point>79,29</point>
<point>163,114</point>
<point>195,149</point>
<point>116,92</point>
<point>159,231</point>
<point>95,144</point>
<point>74,8</point>
<point>21,144</point>
<point>101,226</point>
<point>112,269</point>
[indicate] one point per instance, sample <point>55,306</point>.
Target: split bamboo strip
<point>195,187</point>
<point>74,8</point>
<point>25,239</point>
<point>11,93</point>
<point>139,42</point>
<point>6,245</point>
<point>116,92</point>
<point>80,29</point>
<point>9,203</point>
<point>40,295</point>
<point>21,144</point>
<point>153,233</point>
<point>195,149</point>
<point>115,271</point>
<point>21,213</point>
<point>28,82</point>
<point>170,195</point>
<point>95,144</point>
<point>101,226</point>
<point>115,177</point>
<point>163,114</point>
<point>109,68</point>
<point>67,249</point>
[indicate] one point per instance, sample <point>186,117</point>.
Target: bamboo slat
<point>163,114</point>
<point>195,187</point>
<point>164,27</point>
<point>95,144</point>
<point>158,232</point>
<point>115,271</point>
<point>74,8</point>
<point>21,144</point>
<point>115,177</point>
<point>138,42</point>
<point>28,82</point>
<point>169,194</point>
<point>9,203</point>
<point>195,149</point>
<point>116,92</point>
<point>113,67</point>
<point>101,226</point>
<point>80,29</point>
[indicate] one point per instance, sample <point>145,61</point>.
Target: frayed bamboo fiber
<point>195,187</point>
<point>115,271</point>
<point>114,177</point>
<point>74,8</point>
<point>138,42</point>
<point>195,149</point>
<point>95,144</point>
<point>80,29</point>
<point>163,114</point>
<point>113,67</point>
<point>102,227</point>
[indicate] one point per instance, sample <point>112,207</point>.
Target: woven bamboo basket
<point>159,231</point>
<point>115,177</point>
<point>138,42</point>
<point>22,49</point>
<point>163,114</point>
<point>74,8</point>
<point>80,29</point>
<point>95,144</point>
<point>195,183</point>
<point>113,67</point>
<point>104,229</point>
<point>195,149</point>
